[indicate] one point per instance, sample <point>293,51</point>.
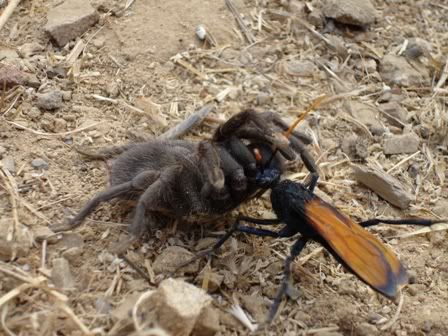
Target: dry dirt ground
<point>128,59</point>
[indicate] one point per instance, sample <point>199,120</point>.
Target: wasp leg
<point>410,221</point>
<point>259,221</point>
<point>295,251</point>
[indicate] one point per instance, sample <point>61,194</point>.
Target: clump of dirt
<point>139,72</point>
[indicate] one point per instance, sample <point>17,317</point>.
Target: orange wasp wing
<point>364,254</point>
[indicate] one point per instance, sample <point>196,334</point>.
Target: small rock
<point>214,281</point>
<point>417,47</point>
<point>61,274</point>
<point>412,275</point>
<point>2,151</point>
<point>99,42</point>
<point>112,89</point>
<point>66,95</point>
<point>176,306</point>
<point>263,98</point>
<point>255,305</point>
<point>42,233</point>
<point>123,311</point>
<point>50,100</point>
<point>11,76</point>
<point>396,70</point>
<point>316,18</point>
<point>171,258</point>
<point>39,164</point>
<point>69,20</point>
<point>207,323</point>
<point>6,53</point>
<point>441,208</point>
<point>30,49</point>
<point>300,68</point>
<point>56,71</point>
<point>8,164</point>
<point>353,12</point>
<point>72,254</point>
<point>369,65</point>
<point>427,326</point>
<point>59,125</point>
<point>386,186</point>
<point>401,144</point>
<point>366,329</point>
<point>355,147</point>
<point>374,318</point>
<point>364,113</point>
<point>33,112</point>
<point>396,111</point>
<point>204,243</point>
<point>19,246</point>
<point>103,306</point>
<point>71,239</point>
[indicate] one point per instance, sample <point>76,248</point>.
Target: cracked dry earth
<point>124,85</point>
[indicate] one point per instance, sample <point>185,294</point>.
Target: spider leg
<point>410,221</point>
<point>240,120</point>
<point>150,200</point>
<point>295,251</point>
<point>275,119</point>
<point>103,153</point>
<point>143,179</point>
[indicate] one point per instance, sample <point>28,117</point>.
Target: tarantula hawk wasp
<point>301,211</point>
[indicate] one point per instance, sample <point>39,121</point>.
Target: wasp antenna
<point>314,105</point>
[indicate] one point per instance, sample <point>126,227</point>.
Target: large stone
<point>69,20</point>
<point>354,12</point>
<point>396,70</point>
<point>177,306</point>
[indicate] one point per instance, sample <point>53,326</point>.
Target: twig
<point>403,161</point>
<point>8,11</point>
<point>249,36</point>
<point>75,319</point>
<point>77,130</point>
<point>443,77</point>
<point>191,68</point>
<point>6,177</point>
<point>396,315</point>
<point>187,124</point>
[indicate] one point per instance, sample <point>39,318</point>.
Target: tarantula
<point>177,178</point>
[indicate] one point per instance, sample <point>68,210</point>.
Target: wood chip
<point>386,186</point>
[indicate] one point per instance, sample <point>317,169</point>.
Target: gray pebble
<point>8,164</point>
<point>50,100</point>
<point>39,164</point>
<point>103,306</point>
